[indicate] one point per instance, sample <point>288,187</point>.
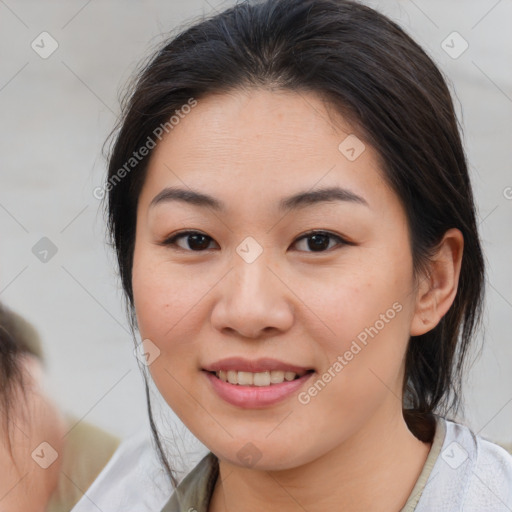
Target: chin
<point>263,455</point>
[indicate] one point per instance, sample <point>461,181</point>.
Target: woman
<point>290,206</point>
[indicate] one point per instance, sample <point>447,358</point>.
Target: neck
<point>375,469</point>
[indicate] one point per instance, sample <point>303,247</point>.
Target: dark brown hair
<point>381,82</point>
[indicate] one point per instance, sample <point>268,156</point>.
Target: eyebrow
<point>294,202</point>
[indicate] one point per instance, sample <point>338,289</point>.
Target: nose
<point>253,301</point>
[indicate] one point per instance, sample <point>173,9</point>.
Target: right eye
<point>195,240</point>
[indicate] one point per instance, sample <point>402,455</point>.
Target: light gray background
<point>56,113</point>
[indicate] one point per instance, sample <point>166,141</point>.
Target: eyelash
<point>171,241</point>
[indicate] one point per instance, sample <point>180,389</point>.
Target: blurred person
<point>47,458</point>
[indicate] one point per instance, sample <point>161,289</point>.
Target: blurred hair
<point>18,337</point>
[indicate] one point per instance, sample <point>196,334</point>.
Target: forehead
<point>257,121</point>
<point>255,144</point>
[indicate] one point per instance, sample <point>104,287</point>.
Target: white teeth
<point>245,378</point>
<point>255,379</point>
<point>276,376</point>
<point>261,379</point>
<point>289,375</point>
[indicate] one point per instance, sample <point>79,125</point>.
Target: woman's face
<point>251,292</point>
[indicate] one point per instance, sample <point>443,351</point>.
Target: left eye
<point>316,241</point>
<point>319,241</point>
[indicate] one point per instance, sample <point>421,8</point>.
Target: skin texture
<point>25,486</point>
<point>349,447</point>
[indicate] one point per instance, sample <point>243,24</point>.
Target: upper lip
<point>256,365</point>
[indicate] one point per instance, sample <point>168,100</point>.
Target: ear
<point>438,286</point>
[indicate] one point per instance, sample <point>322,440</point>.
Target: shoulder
<point>87,451</point>
<point>134,480</point>
<point>490,485</point>
<point>470,473</point>
<point>482,454</point>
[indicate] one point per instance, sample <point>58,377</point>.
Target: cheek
<point>169,305</point>
<point>164,295</point>
<point>369,311</point>
<point>164,306</point>
<point>365,303</point>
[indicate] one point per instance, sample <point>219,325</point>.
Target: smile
<point>255,384</point>
<point>260,379</point>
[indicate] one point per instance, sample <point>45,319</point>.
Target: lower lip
<point>255,397</point>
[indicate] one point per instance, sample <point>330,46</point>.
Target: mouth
<point>250,384</point>
<point>258,379</point>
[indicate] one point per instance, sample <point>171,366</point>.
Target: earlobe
<point>437,287</point>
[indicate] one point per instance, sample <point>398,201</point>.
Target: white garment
<point>470,474</point>
<point>133,480</point>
